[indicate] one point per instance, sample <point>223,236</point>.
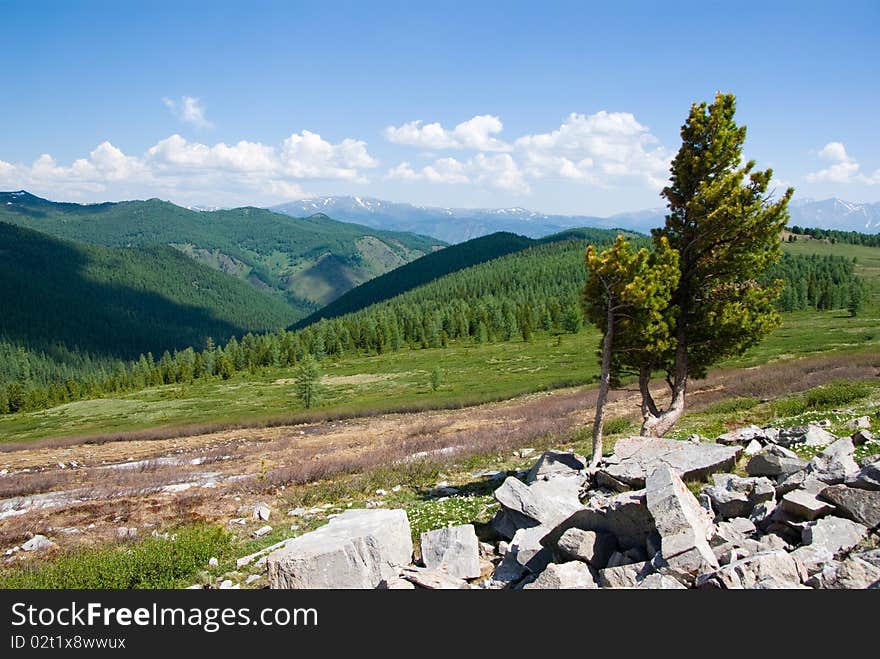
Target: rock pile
<point>632,522</point>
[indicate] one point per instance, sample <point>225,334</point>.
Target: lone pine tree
<point>725,226</point>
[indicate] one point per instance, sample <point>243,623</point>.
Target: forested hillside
<point>65,299</point>
<point>509,298</point>
<point>309,261</point>
<point>443,262</point>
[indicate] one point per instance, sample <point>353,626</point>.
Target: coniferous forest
<point>512,297</point>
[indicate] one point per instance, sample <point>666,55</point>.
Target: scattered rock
<point>38,543</point>
<point>659,581</point>
<point>357,549</point>
<point>753,448</point>
<point>213,562</point>
<point>427,578</point>
<point>625,576</point>
<point>774,461</point>
<point>453,550</point>
<point>827,538</point>
<point>637,457</point>
<point>587,546</point>
<point>571,575</point>
<point>526,548</point>
<point>262,512</point>
<point>805,505</point>
<point>263,530</point>
<point>543,502</point>
<point>853,572</point>
<point>732,496</point>
<point>556,463</point>
<point>835,463</point>
<point>862,506</point>
<point>684,526</point>
<point>868,477</point>
<point>742,435</point>
<point>773,569</point>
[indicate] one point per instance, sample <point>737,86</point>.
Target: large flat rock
<point>357,549</point>
<point>636,457</point>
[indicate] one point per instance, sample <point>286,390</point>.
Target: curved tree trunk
<point>657,422</point>
<point>604,386</point>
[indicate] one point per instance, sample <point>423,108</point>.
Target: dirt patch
<point>221,469</point>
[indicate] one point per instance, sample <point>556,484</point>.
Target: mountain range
<point>454,225</point>
<point>306,261</point>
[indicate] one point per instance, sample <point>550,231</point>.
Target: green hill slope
<point>61,296</point>
<point>444,262</point>
<point>310,261</point>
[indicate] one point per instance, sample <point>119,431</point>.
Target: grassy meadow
<point>401,381</point>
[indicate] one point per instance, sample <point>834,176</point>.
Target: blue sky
<point>555,106</point>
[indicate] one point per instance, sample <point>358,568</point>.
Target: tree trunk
<point>604,386</point>
<point>656,422</point>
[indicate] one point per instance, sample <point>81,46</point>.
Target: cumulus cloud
<point>599,149</point>
<point>475,133</point>
<point>842,167</point>
<point>179,169</point>
<point>495,171</point>
<point>189,110</point>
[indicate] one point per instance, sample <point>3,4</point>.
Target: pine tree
<point>726,229</point>
<point>307,381</point>
<point>627,297</point>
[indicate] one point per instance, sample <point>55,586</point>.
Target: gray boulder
<point>767,570</point>
<point>637,457</point>
<point>851,573</point>
<point>684,526</point>
<point>805,504</point>
<point>742,435</point>
<point>527,550</point>
<point>356,549</point>
<point>774,461</point>
<point>658,581</point>
<point>545,502</point>
<point>454,550</point>
<point>868,477</point>
<point>587,546</point>
<point>809,435</point>
<point>564,576</point>
<point>38,543</point>
<point>556,463</point>
<point>625,576</point>
<point>862,506</point>
<point>423,577</point>
<point>625,516</point>
<point>826,539</point>
<point>732,496</point>
<point>835,463</point>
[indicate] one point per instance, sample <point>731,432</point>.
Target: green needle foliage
<point>627,296</point>
<point>726,229</point>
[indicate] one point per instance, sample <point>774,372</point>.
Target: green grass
<point>154,562</point>
<point>472,373</point>
<point>731,405</point>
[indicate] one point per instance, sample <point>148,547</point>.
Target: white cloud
<point>843,168</point>
<point>475,133</point>
<point>494,171</point>
<point>599,149</point>
<point>596,149</point>
<point>193,172</point>
<point>189,110</point>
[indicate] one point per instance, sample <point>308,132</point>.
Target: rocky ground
<point>632,522</point>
